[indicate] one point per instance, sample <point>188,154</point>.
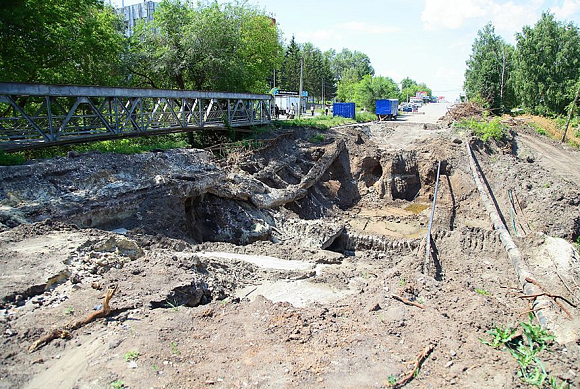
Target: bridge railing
<point>33,115</point>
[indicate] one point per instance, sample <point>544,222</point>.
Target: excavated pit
<point>311,202</point>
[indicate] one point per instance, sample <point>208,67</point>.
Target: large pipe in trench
<point>541,304</point>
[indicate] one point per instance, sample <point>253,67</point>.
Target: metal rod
<point>427,264</point>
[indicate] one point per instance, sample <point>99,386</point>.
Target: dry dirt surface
<point>297,264</point>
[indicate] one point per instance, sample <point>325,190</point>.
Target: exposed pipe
<point>427,265</point>
<point>541,304</point>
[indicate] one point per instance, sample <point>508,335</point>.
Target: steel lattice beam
<point>33,115</point>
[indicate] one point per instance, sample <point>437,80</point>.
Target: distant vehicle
<point>407,108</point>
<point>387,109</point>
<point>416,100</point>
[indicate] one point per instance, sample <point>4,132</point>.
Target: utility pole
<point>322,92</point>
<point>274,78</point>
<point>300,92</point>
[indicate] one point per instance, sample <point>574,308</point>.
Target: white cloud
<point>451,14</point>
<point>568,8</point>
<point>322,37</point>
<point>368,28</point>
<point>506,16</point>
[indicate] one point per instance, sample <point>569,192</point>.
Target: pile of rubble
<point>462,111</point>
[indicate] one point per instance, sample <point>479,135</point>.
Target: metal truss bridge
<point>33,115</point>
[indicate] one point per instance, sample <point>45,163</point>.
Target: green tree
<point>370,89</point>
<point>547,65</point>
<point>316,71</point>
<point>206,47</point>
<point>353,62</point>
<point>489,70</point>
<point>291,67</point>
<point>409,88</point>
<point>61,42</point>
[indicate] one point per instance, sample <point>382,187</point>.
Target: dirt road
<point>557,160</point>
<point>410,129</point>
<point>428,113</point>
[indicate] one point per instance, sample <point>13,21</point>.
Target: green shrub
<point>484,129</point>
<point>10,159</point>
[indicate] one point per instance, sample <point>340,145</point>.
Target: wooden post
<point>571,113</point>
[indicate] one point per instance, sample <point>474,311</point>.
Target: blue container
<point>346,110</point>
<point>388,107</point>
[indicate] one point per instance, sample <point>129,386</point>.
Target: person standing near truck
<point>276,111</point>
<point>312,109</point>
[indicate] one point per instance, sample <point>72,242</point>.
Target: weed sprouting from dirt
<point>174,349</point>
<point>173,305</point>
<point>118,384</point>
<point>525,345</point>
<point>132,355</point>
<point>482,292</point>
<point>392,380</point>
<point>69,310</point>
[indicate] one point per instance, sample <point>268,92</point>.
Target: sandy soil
<point>218,288</point>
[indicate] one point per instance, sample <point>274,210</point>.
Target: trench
<point>332,220</point>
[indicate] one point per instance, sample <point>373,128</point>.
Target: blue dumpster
<point>346,110</point>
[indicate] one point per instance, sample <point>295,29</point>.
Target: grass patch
<point>320,122</point>
<point>484,130</point>
<point>525,346</point>
<point>316,138</point>
<point>538,129</point>
<point>554,128</point>
<point>363,117</point>
<point>120,146</point>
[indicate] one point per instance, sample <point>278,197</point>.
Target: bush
<point>11,159</point>
<point>484,129</point>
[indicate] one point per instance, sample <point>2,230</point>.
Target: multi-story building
<point>136,12</point>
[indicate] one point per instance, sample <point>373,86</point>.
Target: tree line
<point>540,73</point>
<point>233,47</point>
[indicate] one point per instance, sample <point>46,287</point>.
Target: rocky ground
<point>299,264</point>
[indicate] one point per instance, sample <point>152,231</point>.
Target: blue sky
<point>427,40</point>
